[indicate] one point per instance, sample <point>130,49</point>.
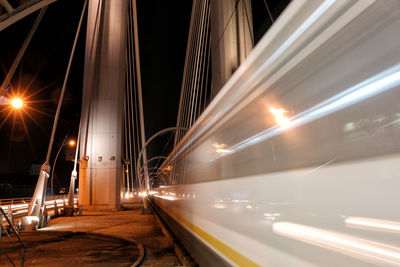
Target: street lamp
<point>65,142</point>
<point>17,103</point>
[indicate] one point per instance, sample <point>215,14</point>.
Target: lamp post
<point>65,142</point>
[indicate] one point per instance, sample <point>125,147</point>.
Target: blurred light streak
<point>280,117</point>
<point>352,246</point>
<point>219,206</point>
<point>373,224</point>
<point>377,84</point>
<point>220,148</point>
<point>166,197</point>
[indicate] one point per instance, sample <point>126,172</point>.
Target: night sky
<point>39,79</point>
<point>163,27</point>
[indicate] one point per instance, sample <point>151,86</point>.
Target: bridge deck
<point>100,239</point>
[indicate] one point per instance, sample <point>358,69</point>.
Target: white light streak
<point>373,224</point>
<point>318,13</point>
<point>377,84</point>
<point>220,148</point>
<point>166,197</point>
<point>352,246</point>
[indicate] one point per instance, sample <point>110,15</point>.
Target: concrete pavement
<point>121,238</point>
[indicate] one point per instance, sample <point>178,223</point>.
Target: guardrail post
<point>10,215</point>
<point>55,208</point>
<point>1,228</point>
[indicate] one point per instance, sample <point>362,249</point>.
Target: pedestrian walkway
<point>121,238</point>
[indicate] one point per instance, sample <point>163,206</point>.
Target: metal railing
<point>16,208</point>
<point>16,244</point>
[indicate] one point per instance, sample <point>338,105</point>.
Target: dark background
<point>163,29</point>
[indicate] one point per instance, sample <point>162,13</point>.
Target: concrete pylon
<point>231,38</point>
<point>100,171</point>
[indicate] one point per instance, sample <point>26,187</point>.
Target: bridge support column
<point>101,170</point>
<point>231,38</point>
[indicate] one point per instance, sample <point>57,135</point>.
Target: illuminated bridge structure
<point>294,161</point>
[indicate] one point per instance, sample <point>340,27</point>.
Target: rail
<point>16,208</point>
<point>7,231</point>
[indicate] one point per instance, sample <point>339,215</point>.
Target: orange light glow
<point>17,103</point>
<point>168,168</point>
<point>280,118</point>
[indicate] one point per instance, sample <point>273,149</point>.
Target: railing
<point>7,231</point>
<point>16,208</point>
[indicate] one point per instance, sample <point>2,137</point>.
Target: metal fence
<point>16,208</point>
<point>12,238</point>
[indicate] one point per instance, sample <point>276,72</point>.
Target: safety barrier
<point>14,241</point>
<point>16,208</point>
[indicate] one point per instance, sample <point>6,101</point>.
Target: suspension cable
<point>202,62</point>
<point>269,12</point>
<point>129,93</point>
<point>185,70</point>
<point>192,63</point>
<point>226,26</point>
<point>60,101</point>
<point>248,24</point>
<point>21,51</point>
<point>195,68</point>
<point>195,88</point>
<point>89,82</point>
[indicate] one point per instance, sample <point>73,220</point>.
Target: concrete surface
<point>97,239</point>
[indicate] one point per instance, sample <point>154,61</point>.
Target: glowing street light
<point>71,143</point>
<point>17,103</point>
<point>280,118</point>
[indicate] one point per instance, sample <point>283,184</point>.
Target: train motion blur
<point>296,160</point>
